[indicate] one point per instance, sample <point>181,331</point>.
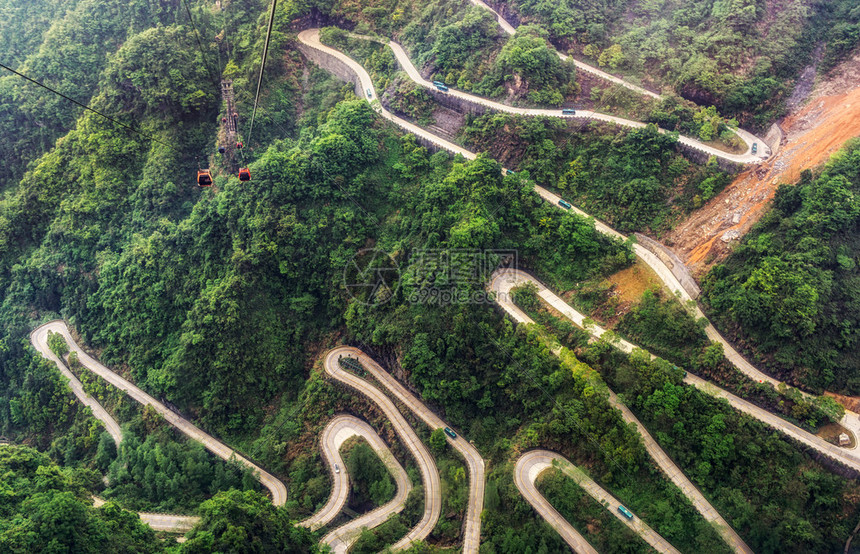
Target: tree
<point>57,343</point>
<point>438,442</point>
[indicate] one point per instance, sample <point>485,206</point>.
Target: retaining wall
<point>333,65</point>
<point>673,262</point>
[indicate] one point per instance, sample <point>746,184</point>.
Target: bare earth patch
<point>813,133</point>
<point>630,283</point>
<point>831,432</point>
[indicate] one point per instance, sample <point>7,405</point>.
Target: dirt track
<point>812,135</point>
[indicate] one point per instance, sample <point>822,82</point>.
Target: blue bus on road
<point>564,204</point>
<point>443,88</point>
<point>439,83</point>
<point>568,111</point>
<point>625,512</point>
<point>450,433</point>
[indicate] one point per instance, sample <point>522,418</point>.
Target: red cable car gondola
<point>204,178</point>
<point>244,174</point>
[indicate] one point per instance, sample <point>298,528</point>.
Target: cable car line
<point>262,67</point>
<point>109,118</point>
<point>199,42</point>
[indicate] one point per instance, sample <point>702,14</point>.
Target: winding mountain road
<point>531,464</point>
<point>745,136</point>
<point>333,436</point>
<point>850,421</point>
<point>501,283</point>
<point>39,338</point>
<point>474,462</point>
<point>746,158</point>
<point>426,463</point>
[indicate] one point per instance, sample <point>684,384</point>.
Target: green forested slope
<point>221,300</point>
<point>66,45</point>
<point>790,291</point>
<point>740,55</point>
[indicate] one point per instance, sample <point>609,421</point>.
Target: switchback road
<point>474,462</point>
<point>335,434</point>
<point>426,463</point>
<point>504,280</point>
<point>851,420</point>
<point>501,284</point>
<point>531,464</point>
<point>337,431</point>
<point>413,73</point>
<point>745,136</point>
<point>746,158</point>
<point>39,338</point>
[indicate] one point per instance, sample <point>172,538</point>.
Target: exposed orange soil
<point>812,135</point>
<point>850,402</point>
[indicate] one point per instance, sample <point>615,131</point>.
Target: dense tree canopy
<point>792,285</point>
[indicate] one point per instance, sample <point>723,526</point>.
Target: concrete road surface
<point>170,523</point>
<point>39,338</point>
<point>426,463</point>
<point>531,464</point>
<point>501,283</point>
<point>745,136</point>
<point>335,434</point>
<point>474,462</point>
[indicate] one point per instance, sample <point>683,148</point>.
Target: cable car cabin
<point>244,174</point>
<point>204,178</point>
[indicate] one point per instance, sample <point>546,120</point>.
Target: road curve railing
<point>39,338</point>
<point>531,464</point>
<point>333,436</point>
<point>501,283</point>
<point>474,462</point>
